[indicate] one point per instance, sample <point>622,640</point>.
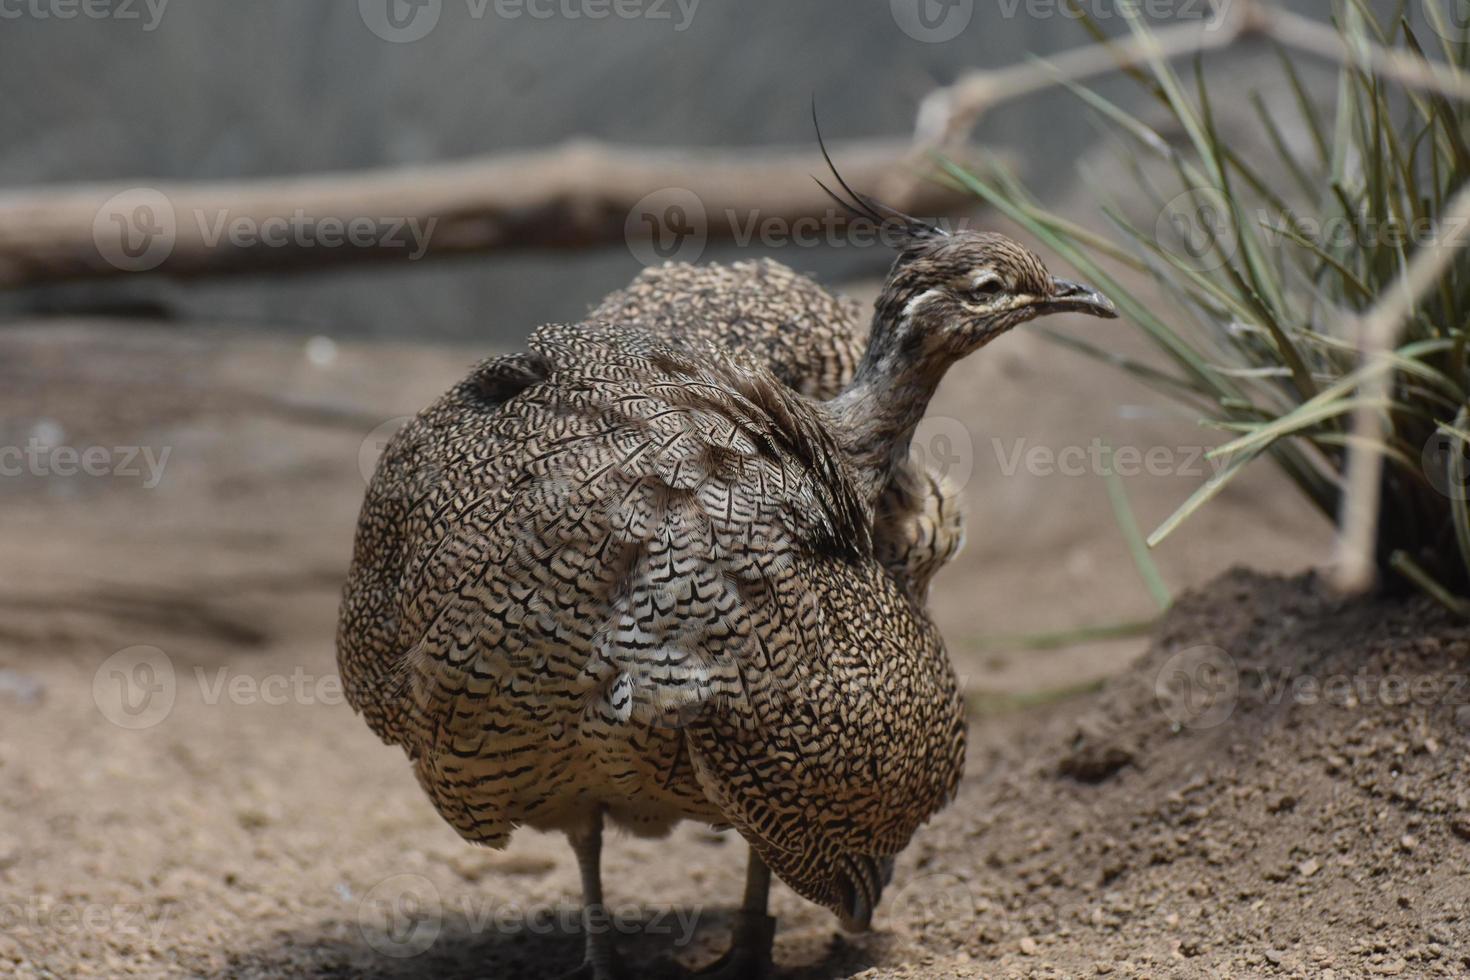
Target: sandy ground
<point>183,792</point>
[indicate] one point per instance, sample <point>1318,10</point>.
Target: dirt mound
<point>1280,785</point>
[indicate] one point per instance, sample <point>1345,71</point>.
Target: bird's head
<point>948,294</point>
<point>954,292</point>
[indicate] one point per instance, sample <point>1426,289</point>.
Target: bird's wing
<point>647,537</point>
<point>810,338</point>
<point>401,513</point>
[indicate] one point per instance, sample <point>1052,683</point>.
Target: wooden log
<point>576,195</point>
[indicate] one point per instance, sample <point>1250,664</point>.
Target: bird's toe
<point>749,956</point>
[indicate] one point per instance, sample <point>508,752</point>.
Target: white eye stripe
<point>912,306</point>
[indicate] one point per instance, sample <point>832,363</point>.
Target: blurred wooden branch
<point>950,113</point>
<point>577,195</point>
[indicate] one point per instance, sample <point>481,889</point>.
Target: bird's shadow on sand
<point>656,945</point>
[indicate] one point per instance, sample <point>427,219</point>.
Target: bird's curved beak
<point>1074,297</point>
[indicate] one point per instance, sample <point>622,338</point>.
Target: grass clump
<point>1270,260</point>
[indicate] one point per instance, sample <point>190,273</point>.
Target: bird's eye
<point>989,286</point>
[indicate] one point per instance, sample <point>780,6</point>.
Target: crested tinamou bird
<point>622,577</point>
<point>813,340</point>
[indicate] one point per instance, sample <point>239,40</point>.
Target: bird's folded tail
<point>814,863</point>
<point>861,888</point>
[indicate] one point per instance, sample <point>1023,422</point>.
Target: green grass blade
<point>1411,570</point>
<point>1207,492</point>
<point>1137,547</point>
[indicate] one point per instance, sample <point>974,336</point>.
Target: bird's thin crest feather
<point>864,206</point>
<point>850,208</point>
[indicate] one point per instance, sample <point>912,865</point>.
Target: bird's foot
<point>749,956</point>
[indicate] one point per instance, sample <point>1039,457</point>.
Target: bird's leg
<point>749,956</point>
<point>600,962</point>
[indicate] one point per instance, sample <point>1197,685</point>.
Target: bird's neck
<point>876,414</point>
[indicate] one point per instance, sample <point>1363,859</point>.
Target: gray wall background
<point>217,89</point>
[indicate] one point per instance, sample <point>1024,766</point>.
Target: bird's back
<point>810,338</point>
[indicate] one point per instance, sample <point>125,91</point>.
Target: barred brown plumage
<point>810,338</point>
<point>633,576</point>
